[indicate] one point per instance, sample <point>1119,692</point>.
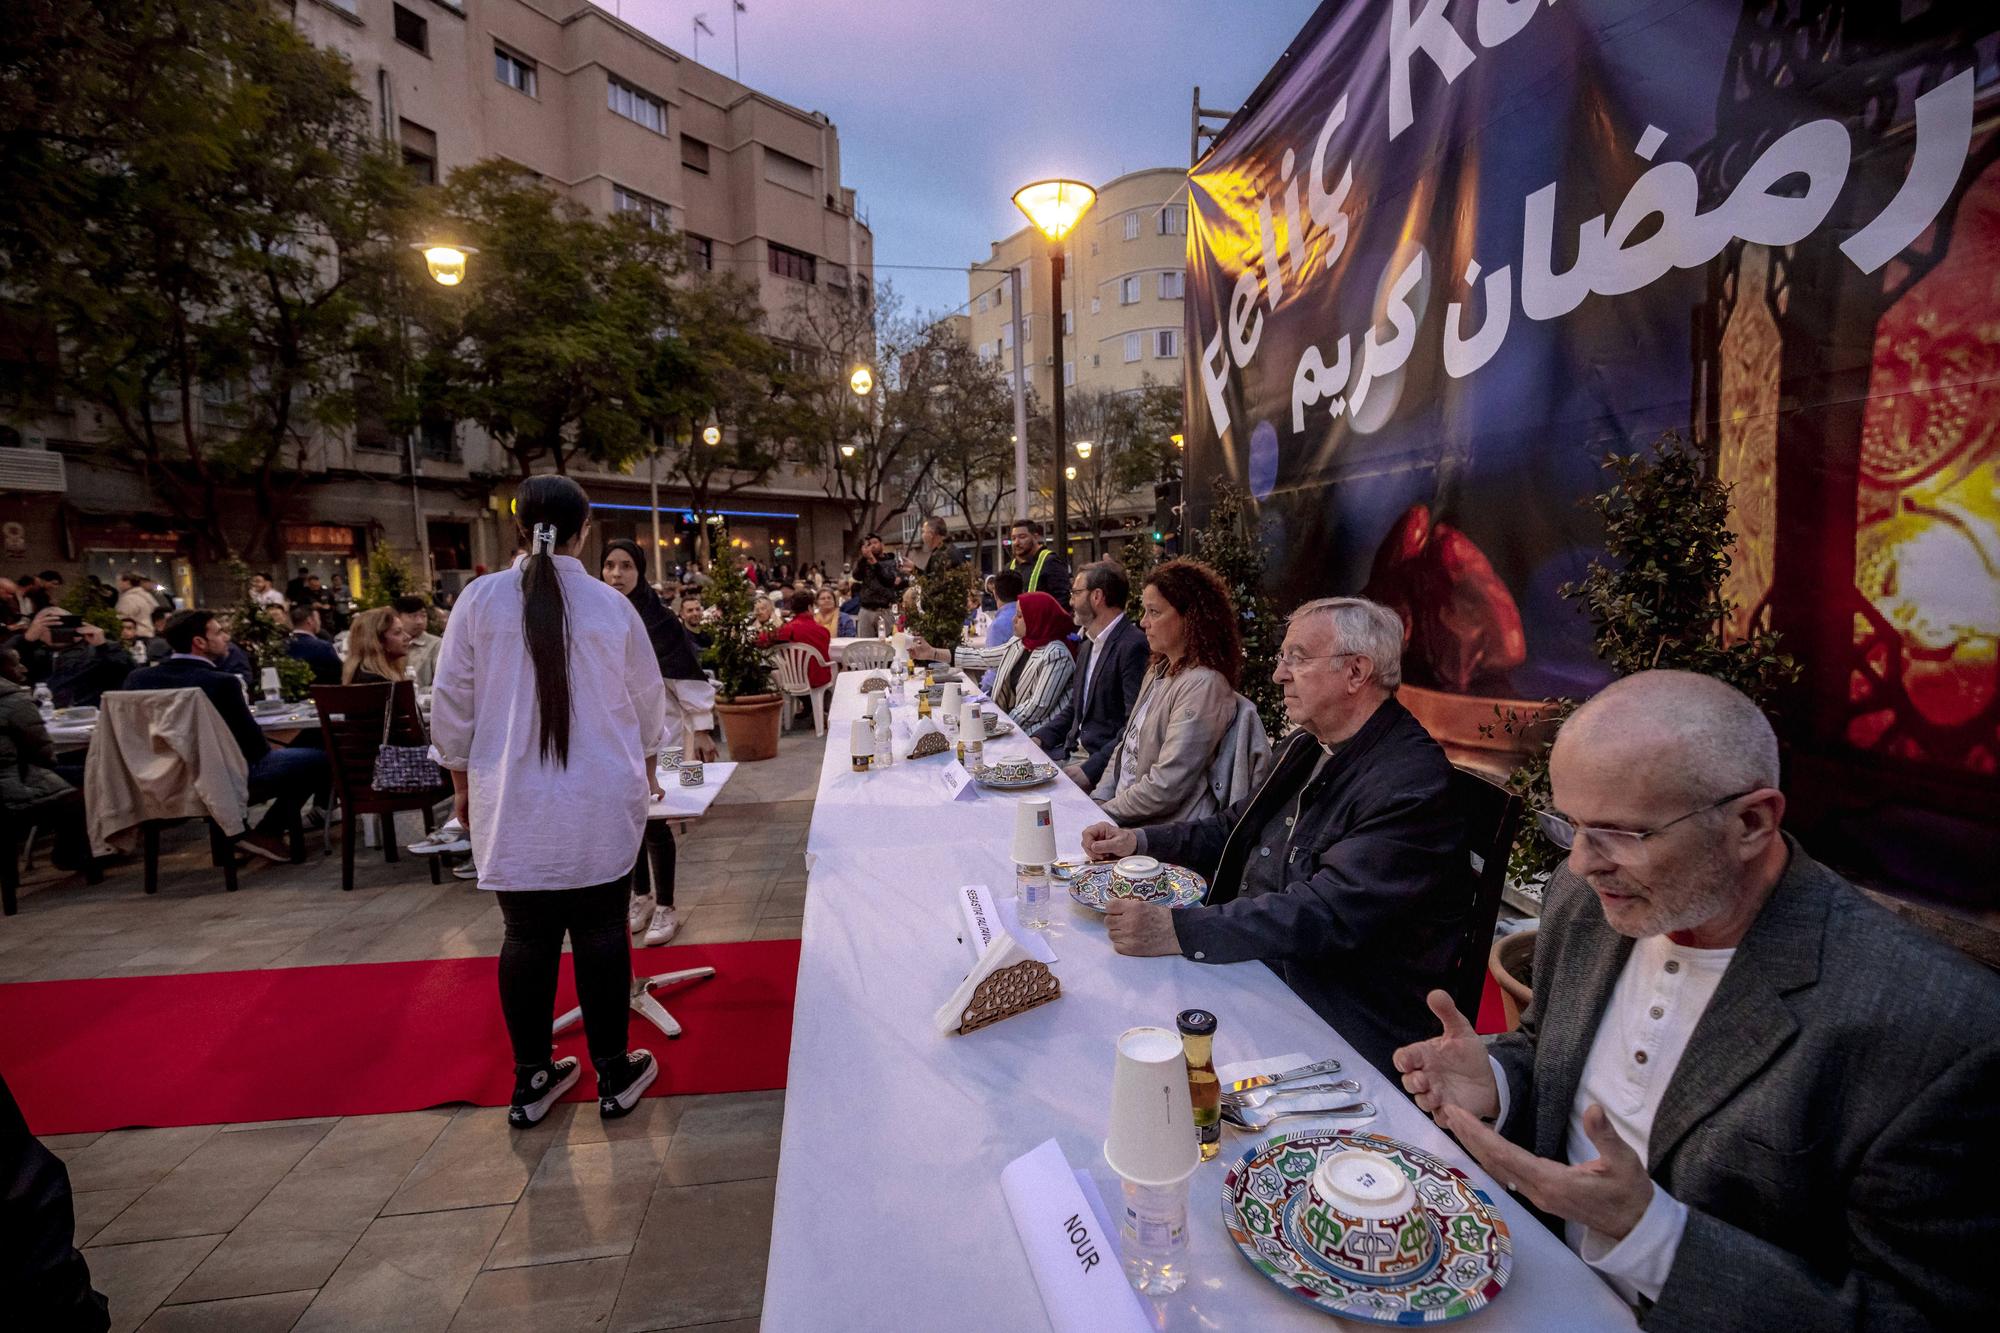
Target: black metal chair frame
<point>1493,815</point>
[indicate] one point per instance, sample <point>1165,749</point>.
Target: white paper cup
<point>951,704</point>
<point>1152,1136</point>
<point>970,725</point>
<point>1035,836</point>
<point>861,738</point>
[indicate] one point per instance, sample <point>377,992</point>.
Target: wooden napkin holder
<point>1009,991</point>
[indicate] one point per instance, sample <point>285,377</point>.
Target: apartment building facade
<point>1125,270</point>
<point>621,123</point>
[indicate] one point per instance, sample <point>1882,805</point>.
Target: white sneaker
<point>466,870</point>
<point>449,837</point>
<point>666,924</point>
<point>639,914</point>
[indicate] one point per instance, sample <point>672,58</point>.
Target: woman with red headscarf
<point>1032,670</point>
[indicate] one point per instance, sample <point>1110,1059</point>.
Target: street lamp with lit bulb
<point>1083,448</point>
<point>712,436</point>
<point>1179,442</point>
<point>1055,206</point>
<point>862,381</point>
<point>1069,473</point>
<point>847,449</point>
<point>445,262</point>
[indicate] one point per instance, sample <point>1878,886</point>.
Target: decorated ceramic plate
<point>1178,887</point>
<point>997,725</point>
<point>1263,1202</point>
<point>986,775</point>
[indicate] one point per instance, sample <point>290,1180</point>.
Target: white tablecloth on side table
<point>689,802</point>
<point>889,1211</point>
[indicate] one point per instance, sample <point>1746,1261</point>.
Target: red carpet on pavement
<point>359,1039</point>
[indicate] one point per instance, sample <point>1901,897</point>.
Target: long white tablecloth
<point>889,1211</point>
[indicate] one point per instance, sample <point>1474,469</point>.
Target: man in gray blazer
<point>1755,1099</point>
<point>1110,670</point>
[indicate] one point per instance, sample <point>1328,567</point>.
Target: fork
<point>1238,1098</point>
<point>1244,1118</point>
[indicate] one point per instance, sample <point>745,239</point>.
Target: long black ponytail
<point>551,511</point>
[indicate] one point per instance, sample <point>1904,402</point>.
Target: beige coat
<point>1178,725</point>
<point>161,754</point>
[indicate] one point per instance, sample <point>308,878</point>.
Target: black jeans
<point>47,1283</point>
<point>659,852</point>
<point>600,951</point>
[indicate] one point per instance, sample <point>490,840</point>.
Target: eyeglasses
<point>1292,661</point>
<point>1616,844</point>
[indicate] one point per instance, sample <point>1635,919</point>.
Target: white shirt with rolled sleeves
<point>536,825</point>
<point>1654,1007</point>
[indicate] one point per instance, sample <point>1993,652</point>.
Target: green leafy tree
<point>1137,557</point>
<point>1231,543</point>
<point>546,348</point>
<point>942,599</point>
<point>387,577</point>
<point>1655,603</point>
<point>740,666</point>
<point>205,188</point>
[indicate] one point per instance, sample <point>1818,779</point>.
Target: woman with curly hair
<point>1158,772</point>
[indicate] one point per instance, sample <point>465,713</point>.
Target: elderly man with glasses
<point>1346,870</point>
<point>1754,1098</point>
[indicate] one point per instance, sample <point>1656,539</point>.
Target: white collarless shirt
<point>535,825</point>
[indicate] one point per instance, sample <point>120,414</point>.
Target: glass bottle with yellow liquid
<point>1204,1089</point>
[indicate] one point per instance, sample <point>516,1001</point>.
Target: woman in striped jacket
<point>1032,670</point>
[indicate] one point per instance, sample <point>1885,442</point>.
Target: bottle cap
<point>1197,1023</point>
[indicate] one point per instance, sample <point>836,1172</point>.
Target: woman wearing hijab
<point>1032,670</point>
<point>690,697</point>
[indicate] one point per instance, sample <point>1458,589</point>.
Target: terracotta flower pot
<point>1512,963</point>
<point>750,726</point>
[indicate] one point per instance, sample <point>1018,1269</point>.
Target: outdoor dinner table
<point>889,1210</point>
<point>68,731</point>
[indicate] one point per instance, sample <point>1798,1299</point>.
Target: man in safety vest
<point>1041,569</point>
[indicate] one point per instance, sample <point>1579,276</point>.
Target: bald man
<point>1753,1097</point>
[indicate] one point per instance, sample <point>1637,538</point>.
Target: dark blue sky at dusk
<point>946,107</point>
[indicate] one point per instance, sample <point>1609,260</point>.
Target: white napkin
<point>1278,1064</point>
<point>1070,1244</point>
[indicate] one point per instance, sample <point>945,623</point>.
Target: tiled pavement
<point>430,1220</point>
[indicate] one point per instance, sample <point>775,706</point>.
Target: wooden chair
<point>794,663</point>
<point>1492,814</point>
<point>350,719</point>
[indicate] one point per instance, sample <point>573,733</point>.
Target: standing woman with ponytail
<point>548,709</point>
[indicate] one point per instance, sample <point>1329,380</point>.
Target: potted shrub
<point>746,705</point>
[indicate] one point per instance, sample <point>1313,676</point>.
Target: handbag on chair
<point>403,768</point>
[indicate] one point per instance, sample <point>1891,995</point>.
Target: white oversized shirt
<point>1659,997</point>
<point>535,825</point>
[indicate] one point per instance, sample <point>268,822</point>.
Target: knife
<point>1266,1080</point>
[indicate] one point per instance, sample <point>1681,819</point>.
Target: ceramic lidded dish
<point>1092,887</point>
<point>1136,876</point>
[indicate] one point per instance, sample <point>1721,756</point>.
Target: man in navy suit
<point>1109,672</point>
<point>306,645</point>
<point>285,776</point>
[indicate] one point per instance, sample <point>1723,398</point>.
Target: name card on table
<point>1066,1231</point>
<point>954,782</point>
<point>986,917</point>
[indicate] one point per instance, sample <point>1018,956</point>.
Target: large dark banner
<point>1454,251</point>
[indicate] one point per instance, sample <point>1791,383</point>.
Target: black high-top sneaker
<point>537,1091</point>
<point>623,1081</point>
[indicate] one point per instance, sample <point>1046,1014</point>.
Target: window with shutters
<point>789,263</point>
<point>783,169</point>
<point>1133,345</point>
<point>1173,221</point>
<point>1172,286</point>
<point>1131,226</point>
<point>1128,290</point>
<point>644,207</point>
<point>694,155</point>
<point>701,252</point>
<point>1167,343</point>
<point>420,151</point>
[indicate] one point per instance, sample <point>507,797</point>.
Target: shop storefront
<point>108,550</point>
<point>332,551</point>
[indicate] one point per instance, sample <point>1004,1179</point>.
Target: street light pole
<point>1020,401</point>
<point>1062,485</point>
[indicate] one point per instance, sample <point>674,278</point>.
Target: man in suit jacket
<point>1109,671</point>
<point>306,645</point>
<point>1755,1098</point>
<point>287,776</point>
<point>1346,870</point>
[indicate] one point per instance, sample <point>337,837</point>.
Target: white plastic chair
<point>794,662</point>
<point>866,654</point>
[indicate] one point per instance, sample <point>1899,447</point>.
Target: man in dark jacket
<point>1756,1099</point>
<point>878,583</point>
<point>1109,671</point>
<point>77,665</point>
<point>306,645</point>
<point>46,1279</point>
<point>1042,568</point>
<point>1347,869</point>
<point>287,776</point>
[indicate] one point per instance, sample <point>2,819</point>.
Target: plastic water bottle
<point>1031,889</point>
<point>885,749</point>
<point>1154,1236</point>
